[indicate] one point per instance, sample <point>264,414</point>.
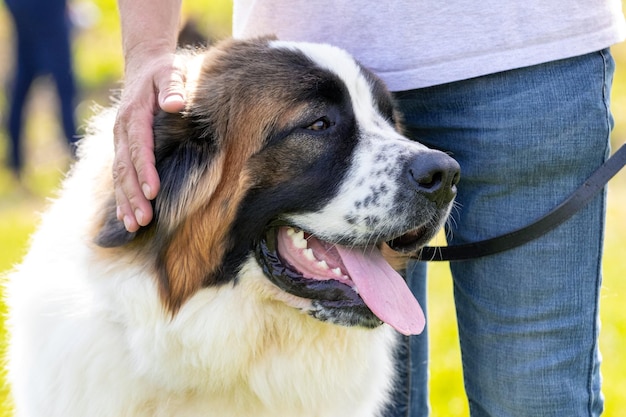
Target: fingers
<point>134,173</point>
<point>135,176</point>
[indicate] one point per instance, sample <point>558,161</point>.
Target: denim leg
<point>23,79</point>
<point>528,318</point>
<point>58,61</point>
<point>411,394</point>
<point>418,347</point>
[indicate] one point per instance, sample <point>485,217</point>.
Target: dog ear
<point>203,181</point>
<point>174,134</point>
<point>192,209</point>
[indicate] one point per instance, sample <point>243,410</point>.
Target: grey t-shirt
<point>413,44</point>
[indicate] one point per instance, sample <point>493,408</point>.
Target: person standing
<point>42,33</point>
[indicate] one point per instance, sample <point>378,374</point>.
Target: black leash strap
<point>583,195</point>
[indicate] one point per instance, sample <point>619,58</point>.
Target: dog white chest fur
<point>218,308</point>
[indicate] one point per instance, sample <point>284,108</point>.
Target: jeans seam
<point>592,363</point>
<point>592,353</point>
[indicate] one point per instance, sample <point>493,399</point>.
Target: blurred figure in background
<point>42,47</point>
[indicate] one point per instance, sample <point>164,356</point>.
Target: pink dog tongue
<point>383,290</point>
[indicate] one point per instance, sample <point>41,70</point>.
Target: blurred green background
<point>98,65</point>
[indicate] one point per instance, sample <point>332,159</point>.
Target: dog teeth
<point>297,237</point>
<point>299,242</point>
<point>323,265</point>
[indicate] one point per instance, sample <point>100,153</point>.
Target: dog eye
<point>320,124</point>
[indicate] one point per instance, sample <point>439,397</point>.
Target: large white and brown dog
<point>259,289</point>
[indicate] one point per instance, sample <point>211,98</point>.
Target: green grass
<point>99,67</point>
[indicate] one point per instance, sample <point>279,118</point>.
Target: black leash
<point>583,195</point>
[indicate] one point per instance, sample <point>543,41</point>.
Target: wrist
<point>149,29</point>
<point>146,54</point>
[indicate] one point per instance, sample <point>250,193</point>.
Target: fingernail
<point>173,103</point>
<point>147,192</point>
<point>139,216</point>
<point>127,222</point>
<point>174,98</point>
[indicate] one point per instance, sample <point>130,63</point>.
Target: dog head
<point>289,153</point>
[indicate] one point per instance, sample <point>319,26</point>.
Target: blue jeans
<point>528,318</point>
<point>42,47</point>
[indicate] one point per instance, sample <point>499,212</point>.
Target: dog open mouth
<point>348,285</point>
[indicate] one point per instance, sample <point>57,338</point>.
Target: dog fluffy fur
<point>199,313</point>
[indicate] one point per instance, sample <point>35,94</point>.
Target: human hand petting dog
<point>154,78</point>
<point>156,82</point>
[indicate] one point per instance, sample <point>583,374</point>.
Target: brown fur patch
<point>197,248</point>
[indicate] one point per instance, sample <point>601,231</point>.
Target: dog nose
<point>435,175</point>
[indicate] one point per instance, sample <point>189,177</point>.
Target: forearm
<point>149,27</point>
